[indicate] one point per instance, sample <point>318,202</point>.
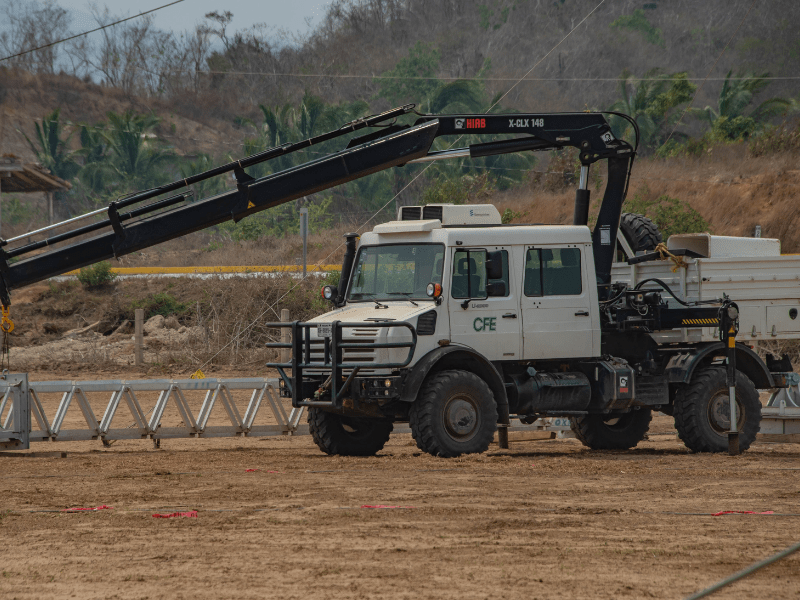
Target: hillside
<point>246,90</point>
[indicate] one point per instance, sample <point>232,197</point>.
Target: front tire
<point>702,411</point>
<point>454,414</point>
<point>612,432</point>
<point>348,436</point>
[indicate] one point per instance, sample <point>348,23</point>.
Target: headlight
<point>329,292</point>
<point>434,290</point>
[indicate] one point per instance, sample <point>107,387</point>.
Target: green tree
<point>135,154</point>
<point>51,149</point>
<point>97,171</point>
<point>413,78</point>
<point>651,102</point>
<point>728,119</point>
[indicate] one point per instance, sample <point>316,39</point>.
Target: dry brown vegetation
<point>210,321</point>
<point>733,191</point>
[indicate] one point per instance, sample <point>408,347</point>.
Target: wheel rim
<point>355,428</point>
<point>617,421</point>
<point>461,417</point>
<point>719,413</point>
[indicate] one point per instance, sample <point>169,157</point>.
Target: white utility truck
<point>454,322</point>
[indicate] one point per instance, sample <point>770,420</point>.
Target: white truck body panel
<point>718,246</point>
<point>766,288</point>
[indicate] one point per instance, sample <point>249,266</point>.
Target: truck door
<point>483,302</point>
<point>556,304</point>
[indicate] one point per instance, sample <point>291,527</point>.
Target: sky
<point>291,15</point>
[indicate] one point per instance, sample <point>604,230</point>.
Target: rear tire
<point>348,436</point>
<point>454,414</point>
<point>612,432</point>
<point>702,411</point>
<point>640,232</point>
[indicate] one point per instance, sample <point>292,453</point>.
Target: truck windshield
<point>396,272</point>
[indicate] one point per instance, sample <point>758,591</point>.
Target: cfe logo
<point>485,323</point>
<point>623,385</point>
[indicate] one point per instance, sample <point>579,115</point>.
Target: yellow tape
<point>731,342</point>
<point>212,270</point>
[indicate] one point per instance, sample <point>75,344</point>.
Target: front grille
<point>410,213</point>
<point>426,324</point>
<point>349,355</point>
<point>432,212</point>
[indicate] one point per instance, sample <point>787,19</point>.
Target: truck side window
<point>533,273</point>
<point>469,274</point>
<point>553,272</point>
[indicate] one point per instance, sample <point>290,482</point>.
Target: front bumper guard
<point>332,357</point>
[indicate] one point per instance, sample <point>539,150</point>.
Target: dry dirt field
<point>545,519</point>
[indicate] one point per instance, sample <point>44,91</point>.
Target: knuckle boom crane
<point>625,316</point>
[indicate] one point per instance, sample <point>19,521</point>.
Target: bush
<point>464,190</point>
<point>509,215</point>
<point>671,215</point>
<point>162,303</point>
<point>97,275</point>
<point>784,138</point>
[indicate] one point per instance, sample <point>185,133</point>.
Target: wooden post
<point>286,336</point>
<point>139,336</point>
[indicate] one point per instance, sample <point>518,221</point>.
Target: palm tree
<point>649,101</point>
<point>728,118</point>
<point>51,150</point>
<point>133,158</point>
<point>96,171</point>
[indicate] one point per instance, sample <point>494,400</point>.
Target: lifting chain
<point>6,324</point>
<point>666,254</point>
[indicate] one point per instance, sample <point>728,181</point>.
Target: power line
<point>147,12</point>
<point>450,78</point>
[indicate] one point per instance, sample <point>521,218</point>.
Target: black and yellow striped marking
<point>699,321</point>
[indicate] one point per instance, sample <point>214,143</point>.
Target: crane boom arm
<point>389,146</point>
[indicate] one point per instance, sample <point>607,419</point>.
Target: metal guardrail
<point>21,403</point>
<point>147,424</point>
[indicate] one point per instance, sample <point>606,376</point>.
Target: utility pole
<point>304,233</point>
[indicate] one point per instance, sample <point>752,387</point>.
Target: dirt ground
<point>545,519</point>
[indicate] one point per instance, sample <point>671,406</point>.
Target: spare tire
<point>640,232</point>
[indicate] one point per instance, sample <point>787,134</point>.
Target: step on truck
<point>453,322</point>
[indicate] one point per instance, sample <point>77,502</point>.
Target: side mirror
<point>498,288</point>
<point>330,293</point>
<point>494,265</point>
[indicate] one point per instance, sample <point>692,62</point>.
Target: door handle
<point>582,313</point>
<point>510,316</point>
